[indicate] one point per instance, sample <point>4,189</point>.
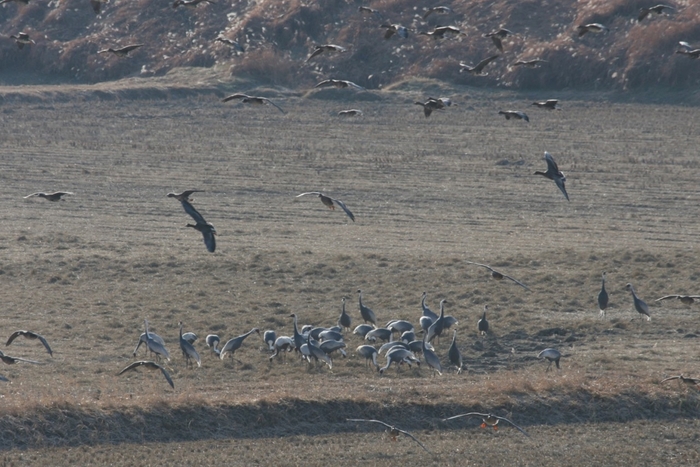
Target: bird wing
<point>325,82</point>
<point>480,66</point>
<point>235,96</point>
<point>353,85</point>
<point>34,194</point>
<point>470,414</point>
<point>560,183</point>
<point>167,376</point>
<point>189,209</point>
<point>129,48</point>
<point>482,265</point>
<point>318,51</point>
<point>516,426</point>
<point>46,344</point>
<point>666,297</point>
<point>273,104</point>
<point>25,360</point>
<point>309,193</point>
<point>344,208</point>
<point>643,13</point>
<point>497,42</point>
<point>131,367</point>
<point>413,438</point>
<point>209,241</point>
<point>551,165</point>
<point>670,378</point>
<point>517,281</point>
<point>368,421</point>
<point>13,336</point>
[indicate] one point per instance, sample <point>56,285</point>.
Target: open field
<point>428,196</point>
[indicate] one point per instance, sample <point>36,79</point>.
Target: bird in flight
<point>687,50</point>
<point>515,114</point>
<point>185,195</point>
<point>330,202</point>
<point>207,229</point>
<point>150,366</point>
<point>26,2</point>
<point>6,359</point>
<point>191,3</point>
<point>553,173</point>
<point>22,39</point>
<point>121,52</point>
<point>487,419</point>
<point>687,380</point>
<point>532,63</point>
<point>434,104</point>
<point>437,9</point>
<point>685,299</point>
<point>499,275</point>
<point>230,42</point>
<point>658,9</point>
<point>440,31</point>
<point>30,335</point>
<point>591,27</point>
<point>498,36</point>
<point>392,29</point>
<point>350,113</point>
<point>339,83</point>
<point>326,48</point>
<point>393,431</point>
<point>55,196</point>
<point>550,104</point>
<point>478,69</point>
<point>246,99</point>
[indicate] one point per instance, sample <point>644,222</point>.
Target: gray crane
<point>399,325</point>
<point>591,27</point>
<point>269,337</point>
<point>390,345</point>
<point>427,311</point>
<point>330,346</point>
<point>234,344</point>
<point>362,330</point>
<point>483,325</point>
<point>553,173</point>
<point>514,114</point>
<point>212,341</point>
<point>317,353</point>
<point>366,313</point>
<point>498,36</point>
<point>684,299</point>
<point>602,297</point>
<point>190,337</point>
<point>155,346</point>
<point>499,275</point>
<point>330,203</point>
<point>32,336</point>
<point>319,49</point>
<point>378,333</point>
<point>639,304</point>
<point>143,338</point>
<point>369,353</point>
<point>330,335</point>
<point>399,355</point>
<point>188,350</point>
<point>344,321</point>
<point>432,359</point>
<point>454,354</point>
<point>435,329</point>
<point>478,69</point>
<point>694,382</point>
<point>551,355</point>
<point>185,195</point>
<point>6,359</point>
<point>149,366</point>
<point>253,100</point>
<point>282,344</point>
<point>121,51</point>
<point>298,338</point>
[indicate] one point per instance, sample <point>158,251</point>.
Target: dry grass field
<point>429,195</point>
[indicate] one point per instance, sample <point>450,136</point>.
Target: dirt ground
<point>429,195</point>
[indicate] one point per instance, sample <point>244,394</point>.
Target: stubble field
<point>429,195</point>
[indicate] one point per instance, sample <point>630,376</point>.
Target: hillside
<point>279,35</point>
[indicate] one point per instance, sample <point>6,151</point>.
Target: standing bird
<point>435,329</point>
<point>253,100</point>
<point>499,275</point>
<point>212,341</point>
<point>639,304</point>
<point>483,325</point>
<point>269,337</point>
<point>155,345</point>
<point>366,313</point>
<point>121,52</point>
<point>551,355</point>
<point>326,48</point>
<point>399,355</point>
<point>340,84</point>
<point>392,430</point>
<point>658,9</point>
<point>514,114</point>
<point>454,355</point>
<point>437,9</point>
<point>684,299</point>
<point>22,39</point>
<point>188,350</point>
<point>185,195</point>
<point>553,173</point>
<point>234,344</point>
<point>550,104</point>
<point>487,419</point>
<point>369,353</point>
<point>478,69</point>
<point>149,366</point>
<point>498,36</point>
<point>30,335</point>
<point>207,229</point>
<point>55,196</point>
<point>431,358</point>
<point>392,29</point>
<point>602,298</point>
<point>344,321</point>
<point>330,202</point>
<point>427,311</point>
<point>591,27</point>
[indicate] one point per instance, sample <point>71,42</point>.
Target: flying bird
<point>487,419</point>
<point>658,9</point>
<point>498,36</point>
<point>551,355</point>
<point>350,113</point>
<point>230,42</point>
<point>550,104</point>
<point>185,195</point>
<point>326,48</point>
<point>207,229</point>
<point>393,431</point>
<point>440,31</point>
<point>392,29</point>
<point>515,114</point>
<point>6,359</point>
<point>532,63</point>
<point>553,173</point>
<point>591,27</point>
<point>55,196</point>
<point>339,83</point>
<point>690,381</point>
<point>246,99</point>
<point>121,52</point>
<point>499,275</point>
<point>30,335</point>
<point>478,69</point>
<point>191,3</point>
<point>687,50</point>
<point>684,299</point>
<point>22,39</point>
<point>26,2</point>
<point>437,9</point>
<point>96,5</point>
<point>639,304</point>
<point>149,366</point>
<point>330,202</point>
<point>434,104</point>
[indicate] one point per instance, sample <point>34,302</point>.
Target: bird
<point>515,114</point>
<point>122,51</point>
<point>350,113</point>
<point>282,344</point>
<point>212,342</point>
<point>551,355</point>
<point>339,83</point>
<point>6,359</point>
<point>658,9</point>
<point>683,379</point>
<point>393,431</point>
<point>591,27</point>
<point>253,100</point>
<point>498,36</point>
<point>399,325</point>
<point>639,304</point>
<point>483,325</point>
<point>487,419</point>
<point>427,311</point>
<point>478,69</point>
<point>30,335</point>
<point>369,353</point>
<point>208,231</point>
<point>230,42</point>
<point>553,173</point>
<point>378,333</point>
<point>22,39</point>
<point>687,50</point>
<point>191,3</point>
<point>330,202</point>
<point>185,195</point>
<point>392,29</point>
<point>188,350</point>
<point>499,275</point>
<point>366,9</point>
<point>316,353</point>
<point>269,337</point>
<point>399,355</point>
<point>366,313</point>
<point>550,104</point>
<point>234,344</point>
<point>532,63</point>
<point>602,297</point>
<point>362,330</point>
<point>96,5</point>
<point>329,346</point>
<point>434,104</point>
<point>55,196</point>
<point>437,9</point>
<point>149,366</point>
<point>155,346</point>
<point>344,320</point>
<point>298,337</point>
<point>439,32</point>
<point>684,299</point>
<point>431,358</point>
<point>454,355</point>
<point>143,339</point>
<point>435,329</point>
<point>319,49</point>
<point>190,337</point>
<point>26,2</point>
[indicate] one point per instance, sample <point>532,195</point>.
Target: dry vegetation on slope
<point>279,35</point>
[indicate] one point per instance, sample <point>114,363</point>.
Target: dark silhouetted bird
<point>230,42</point>
<point>532,63</point>
<point>22,39</point>
<point>326,48</point>
<point>149,366</point>
<point>437,9</point>
<point>553,173</point>
<point>330,202</point>
<point>499,275</point>
<point>30,335</point>
<point>392,29</point>
<point>498,36</point>
<point>591,27</point>
<point>478,69</point>
<point>253,100</point>
<point>487,420</point>
<point>440,31</point>
<point>515,114</point>
<point>208,231</point>
<point>658,9</point>
<point>121,52</point>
